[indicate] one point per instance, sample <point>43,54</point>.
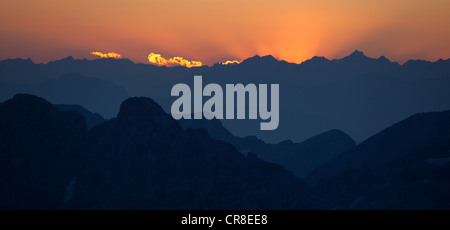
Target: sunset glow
<point>215,31</point>
<point>156,59</point>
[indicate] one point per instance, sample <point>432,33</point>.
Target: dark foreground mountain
<point>142,159</point>
<point>300,158</point>
<point>92,119</point>
<point>39,148</point>
<point>401,139</point>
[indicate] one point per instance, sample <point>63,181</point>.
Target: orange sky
<point>214,31</point>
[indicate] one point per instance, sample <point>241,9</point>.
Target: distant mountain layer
<point>356,94</point>
<point>417,181</point>
<point>300,158</point>
<point>94,94</point>
<point>402,139</point>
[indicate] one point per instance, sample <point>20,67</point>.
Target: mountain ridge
<point>397,141</point>
<point>355,55</point>
<point>350,95</point>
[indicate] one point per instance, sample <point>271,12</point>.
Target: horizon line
<point>355,52</point>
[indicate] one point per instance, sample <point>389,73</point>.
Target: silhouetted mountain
<point>92,93</point>
<point>417,181</point>
<point>144,160</point>
<point>316,61</point>
<point>21,71</point>
<point>92,119</point>
<point>352,94</point>
<point>356,56</point>
<point>258,60</point>
<point>214,127</point>
<point>38,151</point>
<point>406,137</point>
<point>300,158</point>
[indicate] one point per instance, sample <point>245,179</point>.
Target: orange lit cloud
<point>107,55</point>
<point>230,62</point>
<point>156,59</point>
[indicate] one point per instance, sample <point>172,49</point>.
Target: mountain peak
<point>146,110</point>
<point>18,61</point>
<point>261,59</point>
<point>30,102</point>
<point>383,59</point>
<point>114,60</point>
<point>317,60</point>
<point>68,59</point>
<point>355,57</point>
<point>357,54</point>
<point>269,58</point>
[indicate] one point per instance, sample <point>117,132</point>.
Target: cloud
<point>230,62</point>
<point>107,55</point>
<point>156,59</point>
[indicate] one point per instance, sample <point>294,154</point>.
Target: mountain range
<point>300,158</point>
<point>356,94</point>
<point>144,159</point>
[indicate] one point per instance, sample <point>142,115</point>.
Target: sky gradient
<point>217,31</point>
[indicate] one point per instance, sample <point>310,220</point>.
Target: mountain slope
<point>417,181</point>
<point>92,119</point>
<point>92,93</point>
<point>300,158</point>
<point>39,152</point>
<point>401,139</point>
<point>144,160</point>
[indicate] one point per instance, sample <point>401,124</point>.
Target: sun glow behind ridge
<point>207,31</point>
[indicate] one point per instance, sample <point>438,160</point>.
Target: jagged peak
<point>260,59</point>
<point>19,60</point>
<point>317,60</point>
<point>355,57</point>
<point>357,53</point>
<point>144,109</point>
<point>63,60</point>
<point>383,59</point>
